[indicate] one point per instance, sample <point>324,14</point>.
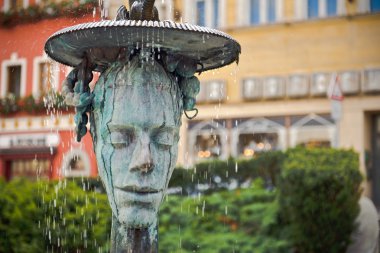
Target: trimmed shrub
<point>52,217</point>
<point>319,193</point>
<point>225,221</point>
<point>218,174</point>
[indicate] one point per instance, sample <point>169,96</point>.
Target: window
<point>255,12</point>
<point>76,163</point>
<point>253,143</point>
<point>375,5</point>
<point>312,8</point>
<point>209,13</point>
<point>312,130</point>
<point>271,11</point>
<point>254,136</point>
<point>208,146</point>
<point>297,86</point>
<point>263,11</point>
<point>216,13</point>
<point>331,7</point>
<point>320,83</point>
<point>45,75</point>
<point>207,140</point>
<point>371,82</point>
<point>15,5</point>
<point>212,91</point>
<point>202,95</point>
<point>201,15</point>
<point>216,91</point>
<point>350,82</point>
<point>29,168</point>
<point>252,89</point>
<point>44,83</point>
<point>273,87</point>
<point>14,80</point>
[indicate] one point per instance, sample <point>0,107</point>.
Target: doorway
<point>376,160</point>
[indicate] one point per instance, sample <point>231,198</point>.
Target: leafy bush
<point>52,216</point>
<point>319,193</point>
<point>311,209</point>
<point>225,221</point>
<point>218,174</point>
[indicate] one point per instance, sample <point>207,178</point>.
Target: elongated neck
<point>133,240</point>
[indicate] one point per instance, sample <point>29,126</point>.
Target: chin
<point>137,216</point>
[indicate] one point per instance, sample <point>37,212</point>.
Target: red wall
<point>68,142</point>
<point>28,40</point>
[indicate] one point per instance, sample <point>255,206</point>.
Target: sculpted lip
<point>139,190</point>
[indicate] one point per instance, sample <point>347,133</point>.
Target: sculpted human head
<point>135,123</point>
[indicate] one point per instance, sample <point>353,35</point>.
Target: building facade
<point>37,138</point>
<point>293,52</point>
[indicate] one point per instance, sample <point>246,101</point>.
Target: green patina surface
<point>135,113</point>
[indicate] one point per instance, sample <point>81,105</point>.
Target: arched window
<point>76,164</point>
<point>207,140</point>
<point>256,136</point>
<point>313,131</point>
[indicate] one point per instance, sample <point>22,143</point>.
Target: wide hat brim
<point>103,41</point>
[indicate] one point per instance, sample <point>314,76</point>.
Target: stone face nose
<point>142,159</point>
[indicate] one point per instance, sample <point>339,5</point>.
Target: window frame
<point>204,94</point>
<point>289,84</point>
<point>243,12</point>
<point>301,9</point>
<point>257,125</point>
<point>281,85</point>
<point>76,152</point>
<point>36,74</point>
<point>13,61</point>
<point>190,13</point>
<point>365,87</point>
<point>302,125</point>
<point>357,86</point>
<point>7,5</point>
<point>313,84</point>
<point>371,9</point>
<point>199,129</point>
<point>260,86</point>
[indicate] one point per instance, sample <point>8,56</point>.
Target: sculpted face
<point>135,127</point>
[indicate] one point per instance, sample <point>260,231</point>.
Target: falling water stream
<point>54,196</point>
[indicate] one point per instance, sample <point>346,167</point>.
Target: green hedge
<point>266,166</point>
<point>52,217</point>
<point>311,209</point>
<point>319,193</point>
<point>225,221</point>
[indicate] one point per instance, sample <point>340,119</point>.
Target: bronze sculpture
<point>147,80</point>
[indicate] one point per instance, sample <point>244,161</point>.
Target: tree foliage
<point>310,208</point>
<point>52,217</point>
<point>319,194</point>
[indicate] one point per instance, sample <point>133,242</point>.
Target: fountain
<point>147,80</point>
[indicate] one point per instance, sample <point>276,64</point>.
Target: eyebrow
<point>120,127</point>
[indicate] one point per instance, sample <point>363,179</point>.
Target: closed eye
<point>164,137</point>
<point>121,138</point>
